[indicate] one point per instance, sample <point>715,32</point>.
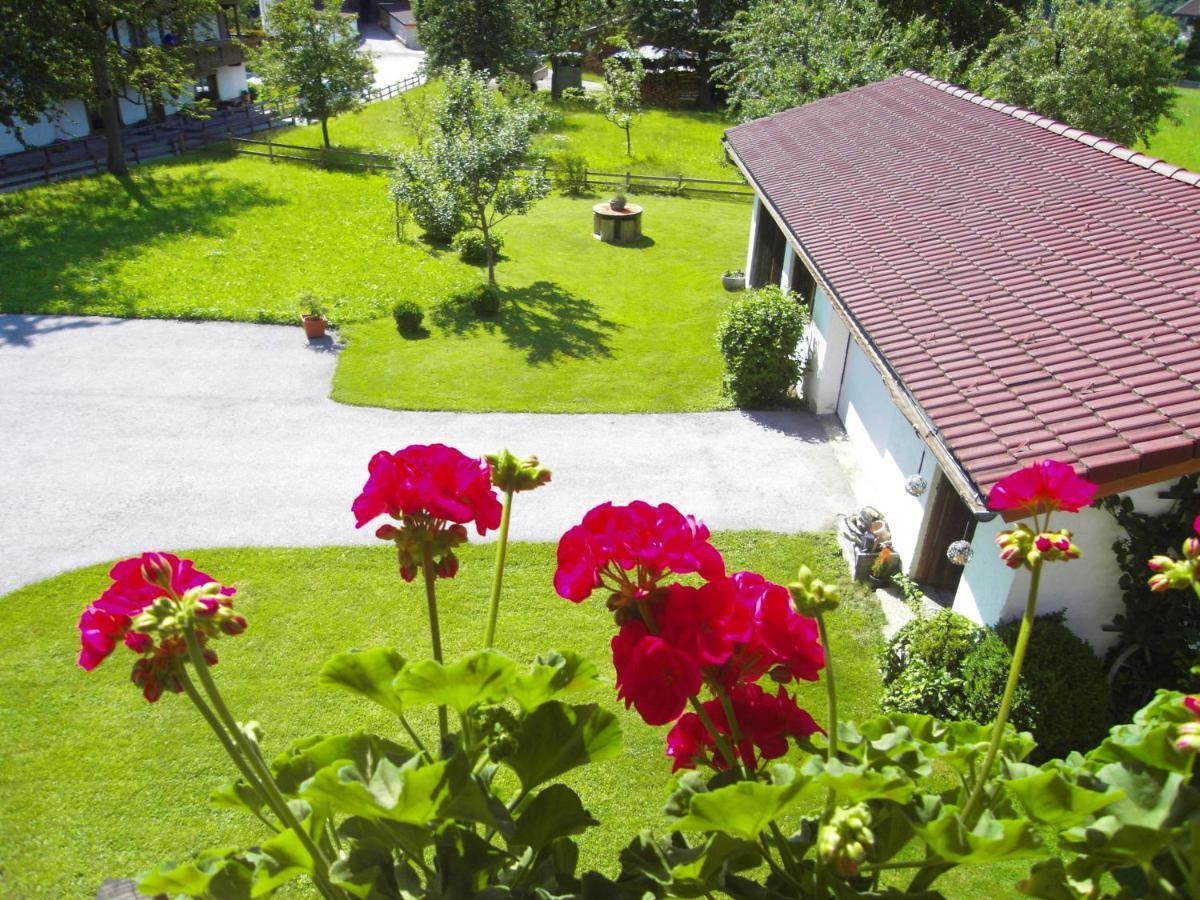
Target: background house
<point>988,287</point>
<point>219,67</point>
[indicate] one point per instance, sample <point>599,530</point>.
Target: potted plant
<point>886,564</point>
<point>312,316</point>
<point>734,280</point>
<point>617,203</point>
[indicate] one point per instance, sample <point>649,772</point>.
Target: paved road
<point>393,60</point>
<point>119,435</point>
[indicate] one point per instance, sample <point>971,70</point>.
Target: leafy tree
<point>53,52</point>
<point>492,35</point>
<point>784,53</point>
<point>693,25</point>
<point>563,27</point>
<point>1108,67</point>
<point>621,99</point>
<point>968,24</point>
<point>312,59</point>
<point>469,168</point>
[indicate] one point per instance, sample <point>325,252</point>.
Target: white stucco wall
<point>70,122</point>
<point>231,81</point>
<point>752,242</point>
<point>1087,588</point>
<point>132,112</point>
<point>887,449</point>
<point>825,343</point>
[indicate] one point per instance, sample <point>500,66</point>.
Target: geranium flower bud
<point>233,625</point>
<point>448,566</point>
<point>1191,548</point>
<point>512,474</point>
<point>1159,583</point>
<point>1042,543</point>
<point>1158,563</point>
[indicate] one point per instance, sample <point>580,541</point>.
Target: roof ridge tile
<point>1110,148</point>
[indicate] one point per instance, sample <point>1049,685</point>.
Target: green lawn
<point>584,326</point>
<point>664,142</point>
<point>1179,142</point>
<point>98,783</point>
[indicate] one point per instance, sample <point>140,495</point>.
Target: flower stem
<point>270,790</point>
<point>1010,689</point>
<point>830,687</point>
<point>718,738</point>
<point>498,578</point>
<point>435,631</point>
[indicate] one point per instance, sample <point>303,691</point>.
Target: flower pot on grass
<point>314,326</point>
<point>734,281</point>
<point>312,315</point>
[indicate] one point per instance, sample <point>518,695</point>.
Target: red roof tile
<point>1035,288</point>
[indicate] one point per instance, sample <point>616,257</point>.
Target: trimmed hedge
<point>471,249</point>
<point>408,315</point>
<point>759,337</point>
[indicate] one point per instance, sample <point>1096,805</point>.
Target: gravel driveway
<point>121,435</point>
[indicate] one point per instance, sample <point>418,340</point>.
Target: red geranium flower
<point>765,722</point>
<point>429,481</point>
<point>1044,486</point>
<point>652,676</point>
<point>647,540</point>
<point>781,639</point>
<point>706,622</point>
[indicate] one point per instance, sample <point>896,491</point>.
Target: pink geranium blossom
<point>642,539</point>
<point>1044,486</point>
<point>429,481</point>
<point>652,675</point>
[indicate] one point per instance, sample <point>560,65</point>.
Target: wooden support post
<point>270,149</point>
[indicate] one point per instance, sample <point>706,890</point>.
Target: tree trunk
<point>106,97</point>
<point>704,88</point>
<point>325,130</point>
<point>491,255</point>
<point>628,149</point>
<point>555,87</point>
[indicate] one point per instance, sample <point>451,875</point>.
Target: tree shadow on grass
<point>544,320</point>
<point>61,245</point>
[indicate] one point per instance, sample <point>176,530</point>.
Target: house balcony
<point>208,56</point>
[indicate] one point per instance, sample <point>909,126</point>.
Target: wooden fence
<point>376,162</point>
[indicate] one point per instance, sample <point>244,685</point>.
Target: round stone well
<point>617,226</point>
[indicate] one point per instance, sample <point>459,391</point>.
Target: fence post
<point>270,149</point>
<point>585,178</point>
<point>627,181</point>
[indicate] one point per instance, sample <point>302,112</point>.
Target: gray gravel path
<point>120,435</point>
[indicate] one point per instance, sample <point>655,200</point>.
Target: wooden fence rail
<point>377,162</point>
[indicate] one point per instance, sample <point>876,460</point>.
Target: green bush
<point>1068,692</point>
<point>570,173</point>
<point>408,315</point>
<point>485,300</point>
<point>759,338</point>
<point>948,667</point>
<point>471,249</point>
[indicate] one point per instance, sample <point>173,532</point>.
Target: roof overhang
<point>904,400</point>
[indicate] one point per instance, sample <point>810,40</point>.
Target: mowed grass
<point>96,782</point>
<point>1179,142</point>
<point>664,142</point>
<point>212,238</point>
<point>584,326</point>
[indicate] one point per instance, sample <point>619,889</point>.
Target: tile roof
<point>1036,289</point>
<point>1191,8</point>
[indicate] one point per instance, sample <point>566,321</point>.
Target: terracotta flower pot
<point>314,326</point>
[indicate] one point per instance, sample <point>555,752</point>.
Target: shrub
<point>1068,693</point>
<point>471,249</point>
<point>570,173</point>
<point>947,666</point>
<point>485,300</point>
<point>759,338</point>
<point>408,315</point>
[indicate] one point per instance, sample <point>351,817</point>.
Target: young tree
<point>1108,67</point>
<point>312,59</point>
<point>98,51</point>
<point>621,99</point>
<point>697,26</point>
<point>784,53</point>
<point>492,35</point>
<point>969,24</point>
<point>470,166</point>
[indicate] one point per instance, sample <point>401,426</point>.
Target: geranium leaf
<point>551,676</point>
<point>556,738</point>
<point>991,840</point>
<point>1050,798</point>
<point>744,809</point>
<point>482,677</point>
<point>412,793</point>
<point>306,757</point>
<point>218,873</point>
<point>555,812</point>
<point>279,860</point>
<point>368,673</point>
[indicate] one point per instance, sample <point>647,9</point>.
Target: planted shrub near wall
<point>947,666</point>
<point>1068,693</point>
<point>759,338</point>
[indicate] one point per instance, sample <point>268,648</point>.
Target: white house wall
<point>824,345</point>
<point>887,449</point>
<point>70,122</point>
<point>132,111</point>
<point>231,82</point>
<point>1087,588</point>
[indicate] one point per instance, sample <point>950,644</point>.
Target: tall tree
<point>784,53</point>
<point>100,51</point>
<point>697,26</point>
<point>563,27</point>
<point>621,99</point>
<point>311,58</point>
<point>470,166</point>
<point>491,35</point>
<point>1106,67</point>
<point>969,24</point>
